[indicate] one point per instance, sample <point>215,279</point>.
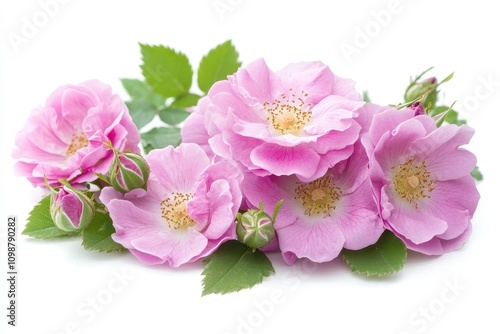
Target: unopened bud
<point>70,208</point>
<point>255,228</point>
<point>128,171</point>
<point>425,90</point>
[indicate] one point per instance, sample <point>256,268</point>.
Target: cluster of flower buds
<point>73,209</point>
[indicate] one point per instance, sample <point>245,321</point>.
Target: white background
<point>98,39</point>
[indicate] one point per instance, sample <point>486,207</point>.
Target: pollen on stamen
<point>78,141</point>
<point>288,116</point>
<point>319,196</point>
<point>174,210</point>
<point>412,181</point>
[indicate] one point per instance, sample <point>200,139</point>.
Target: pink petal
<point>285,160</point>
<point>179,167</point>
<point>319,241</point>
<point>314,78</point>
<point>176,247</point>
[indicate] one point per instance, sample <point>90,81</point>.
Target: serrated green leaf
<point>160,137</point>
<point>40,224</point>
<point>234,267</point>
<point>97,236</point>
<point>140,91</point>
<point>386,256</point>
<point>186,100</point>
<point>476,174</point>
<point>142,112</point>
<point>217,65</point>
<point>166,71</point>
<point>173,115</point>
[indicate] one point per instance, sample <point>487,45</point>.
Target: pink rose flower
<point>65,138</point>
<point>319,218</point>
<point>188,210</point>
<point>421,179</point>
<point>297,121</point>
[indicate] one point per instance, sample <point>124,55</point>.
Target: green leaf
<point>40,224</point>
<point>476,174</point>
<point>234,267</point>
<point>172,115</point>
<point>186,100</point>
<point>142,112</point>
<point>448,78</point>
<point>217,65</point>
<point>452,118</point>
<point>160,137</point>
<point>366,97</point>
<point>167,72</point>
<point>97,236</point>
<point>386,256</point>
<point>140,91</point>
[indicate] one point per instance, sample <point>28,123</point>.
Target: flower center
<point>412,181</point>
<point>78,141</point>
<point>319,196</point>
<point>288,115</point>
<point>174,211</point>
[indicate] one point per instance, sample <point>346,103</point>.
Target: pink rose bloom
<point>188,210</point>
<point>421,179</point>
<point>319,218</point>
<point>297,121</point>
<point>65,138</point>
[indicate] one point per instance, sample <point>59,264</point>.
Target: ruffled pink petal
<point>176,247</point>
<point>455,202</point>
<point>383,122</point>
<point>442,156</point>
<point>345,88</point>
<point>357,217</point>
<point>414,223</point>
<point>320,241</point>
<point>255,82</point>
<point>332,113</point>
<point>285,160</point>
<point>179,167</point>
<point>312,78</point>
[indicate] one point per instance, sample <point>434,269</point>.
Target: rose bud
<point>418,108</point>
<point>71,209</point>
<point>128,171</point>
<point>426,90</point>
<point>255,228</point>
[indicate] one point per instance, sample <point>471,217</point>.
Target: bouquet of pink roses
<point>294,161</point>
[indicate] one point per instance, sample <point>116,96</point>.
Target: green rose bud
<point>255,228</point>
<point>70,208</point>
<point>425,90</point>
<point>128,171</point>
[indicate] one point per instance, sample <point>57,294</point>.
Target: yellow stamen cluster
<point>174,210</point>
<point>78,141</point>
<point>412,181</point>
<point>289,114</point>
<point>319,196</point>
